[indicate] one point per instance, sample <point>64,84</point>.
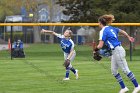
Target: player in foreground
<point>67,46</point>
<point>109,36</point>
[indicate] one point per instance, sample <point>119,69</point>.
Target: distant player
<point>67,46</point>
<point>109,36</point>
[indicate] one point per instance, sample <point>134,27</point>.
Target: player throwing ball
<point>67,46</point>
<point>109,36</point>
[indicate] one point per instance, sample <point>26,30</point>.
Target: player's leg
<point>67,69</point>
<point>67,74</point>
<point>70,67</point>
<point>125,69</point>
<point>114,69</point>
<point>71,59</point>
<point>75,71</point>
<point>124,66</point>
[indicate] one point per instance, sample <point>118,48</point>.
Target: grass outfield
<point>42,72</point>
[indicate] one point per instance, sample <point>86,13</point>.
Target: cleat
<point>66,79</point>
<point>124,90</point>
<point>76,74</point>
<point>137,89</point>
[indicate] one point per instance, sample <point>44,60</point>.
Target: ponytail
<point>106,19</point>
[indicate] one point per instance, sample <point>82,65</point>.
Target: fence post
<point>131,43</point>
<point>11,41</point>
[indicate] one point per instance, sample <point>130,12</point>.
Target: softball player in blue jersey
<point>109,36</point>
<point>67,46</point>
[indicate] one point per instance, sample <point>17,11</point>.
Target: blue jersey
<point>18,45</point>
<point>66,44</point>
<point>109,35</point>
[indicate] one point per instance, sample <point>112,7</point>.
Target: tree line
<point>90,10</point>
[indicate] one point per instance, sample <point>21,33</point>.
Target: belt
<point>116,46</point>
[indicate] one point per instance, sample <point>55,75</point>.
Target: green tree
<point>6,9</point>
<point>126,10</point>
<point>90,10</point>
<point>13,7</point>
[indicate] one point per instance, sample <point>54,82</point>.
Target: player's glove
<point>97,56</point>
<point>66,63</point>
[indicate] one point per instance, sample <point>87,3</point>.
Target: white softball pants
<point>118,61</point>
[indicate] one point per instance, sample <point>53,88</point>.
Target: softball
<point>31,15</point>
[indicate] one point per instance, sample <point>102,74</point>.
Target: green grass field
<point>42,72</point>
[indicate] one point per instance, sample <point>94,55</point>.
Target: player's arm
<point>67,61</point>
<point>100,45</point>
<point>48,31</point>
<point>71,53</point>
<point>131,39</point>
